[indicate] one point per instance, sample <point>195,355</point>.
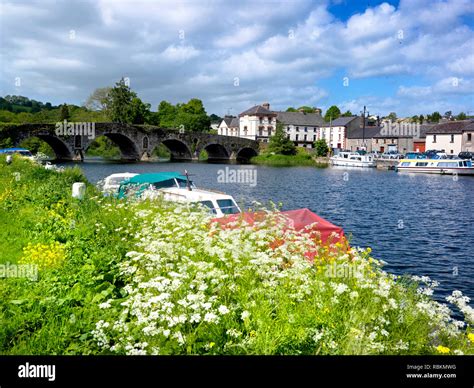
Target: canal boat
<point>436,166</point>
<point>112,182</point>
<point>352,159</point>
<point>176,187</point>
<point>140,183</point>
<point>218,204</point>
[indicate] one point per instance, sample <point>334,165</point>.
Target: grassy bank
<point>155,278</point>
<point>302,158</point>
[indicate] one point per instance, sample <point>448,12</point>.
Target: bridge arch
<point>216,151</point>
<point>245,154</point>
<point>60,148</point>
<point>128,148</point>
<point>179,150</point>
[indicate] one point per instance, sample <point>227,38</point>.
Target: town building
<point>229,126</point>
<point>300,127</point>
<point>257,123</point>
<point>452,137</point>
<point>335,133</point>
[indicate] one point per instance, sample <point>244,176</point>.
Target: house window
<point>434,138</point>
<point>288,129</point>
<point>245,130</point>
<point>260,131</point>
<point>297,129</point>
<point>314,137</point>
<point>296,138</point>
<point>261,120</point>
<point>452,151</point>
<point>376,141</point>
<point>269,131</point>
<point>452,139</point>
<point>469,136</point>
<point>305,137</point>
<point>306,129</point>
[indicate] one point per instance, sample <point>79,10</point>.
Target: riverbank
<point>132,278</point>
<point>302,158</point>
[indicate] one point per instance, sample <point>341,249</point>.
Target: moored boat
<point>352,159</point>
<point>436,166</point>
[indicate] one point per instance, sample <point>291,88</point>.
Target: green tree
<point>392,116</point>
<point>348,113</point>
<point>119,100</point>
<point>124,106</point>
<point>279,142</point>
<point>139,111</point>
<point>434,117</point>
<point>421,118</point>
<point>305,109</point>
<point>332,113</point>
<point>167,114</point>
<point>415,119</point>
<point>64,112</point>
<point>192,116</point>
<point>461,116</point>
<point>291,109</point>
<point>321,147</point>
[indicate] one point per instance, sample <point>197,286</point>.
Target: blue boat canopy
<point>158,180</point>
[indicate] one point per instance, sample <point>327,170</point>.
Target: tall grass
<point>157,278</point>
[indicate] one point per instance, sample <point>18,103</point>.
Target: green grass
<point>136,279</point>
<point>302,158</point>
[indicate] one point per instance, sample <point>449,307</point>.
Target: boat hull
<point>438,170</point>
<point>347,163</point>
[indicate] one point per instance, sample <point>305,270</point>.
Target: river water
<point>419,224</point>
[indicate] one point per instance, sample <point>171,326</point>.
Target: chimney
<point>318,111</point>
<point>266,105</point>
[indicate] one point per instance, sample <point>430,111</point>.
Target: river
<point>419,224</point>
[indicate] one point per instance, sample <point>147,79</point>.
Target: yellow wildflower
<point>442,349</point>
<point>470,336</point>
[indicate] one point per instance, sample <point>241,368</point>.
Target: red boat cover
<point>298,219</point>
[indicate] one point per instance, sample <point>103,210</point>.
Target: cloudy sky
<point>411,57</point>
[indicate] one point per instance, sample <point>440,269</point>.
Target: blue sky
<point>410,57</point>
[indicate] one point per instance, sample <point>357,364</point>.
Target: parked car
<point>392,155</point>
<point>466,155</point>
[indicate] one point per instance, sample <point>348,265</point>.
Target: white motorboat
<point>437,166</point>
<point>352,159</point>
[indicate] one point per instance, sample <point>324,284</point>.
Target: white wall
<point>334,136</point>
<point>252,124</point>
<point>443,142</point>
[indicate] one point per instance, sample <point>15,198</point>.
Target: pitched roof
<point>359,133</point>
<point>341,121</point>
<point>452,127</point>
<point>234,123</point>
<point>299,118</point>
<point>257,110</point>
<point>228,119</point>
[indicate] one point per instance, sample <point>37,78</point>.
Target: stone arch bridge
<point>136,142</point>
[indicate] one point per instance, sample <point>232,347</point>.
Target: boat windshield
<point>182,184</point>
<point>209,205</point>
<point>228,206</point>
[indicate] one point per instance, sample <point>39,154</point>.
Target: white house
<point>336,132</point>
<point>229,126</point>
<point>301,127</point>
<point>452,137</point>
<point>257,123</point>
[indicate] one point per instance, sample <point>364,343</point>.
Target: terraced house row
<point>349,133</point>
